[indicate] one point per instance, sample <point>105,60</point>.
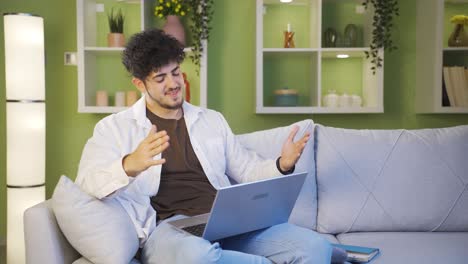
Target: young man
<point>164,159</point>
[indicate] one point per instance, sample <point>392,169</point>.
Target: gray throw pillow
<point>100,230</point>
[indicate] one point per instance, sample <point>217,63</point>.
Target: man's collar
<point>138,112</point>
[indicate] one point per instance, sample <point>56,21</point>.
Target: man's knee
<point>307,246</point>
<point>314,249</point>
<point>198,251</point>
<point>168,245</point>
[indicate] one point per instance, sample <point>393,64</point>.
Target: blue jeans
<point>285,243</point>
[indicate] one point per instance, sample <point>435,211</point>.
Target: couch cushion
<point>413,247</point>
<point>99,230</point>
<point>392,180</point>
<point>330,238</point>
<point>268,144</point>
<point>44,241</point>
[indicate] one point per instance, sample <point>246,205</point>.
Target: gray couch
<point>403,191</point>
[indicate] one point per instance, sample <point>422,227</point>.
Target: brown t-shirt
<point>184,187</point>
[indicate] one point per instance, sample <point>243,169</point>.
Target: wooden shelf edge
<point>317,110</point>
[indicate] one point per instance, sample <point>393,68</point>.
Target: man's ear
<point>139,84</point>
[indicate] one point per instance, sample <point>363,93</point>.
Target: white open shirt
<point>101,174</point>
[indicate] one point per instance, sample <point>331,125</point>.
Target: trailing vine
<point>200,27</point>
<point>384,13</point>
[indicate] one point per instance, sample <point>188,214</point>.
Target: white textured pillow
<point>268,144</point>
<point>100,230</point>
<point>392,180</point>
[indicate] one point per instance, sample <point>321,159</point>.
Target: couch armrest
<point>44,241</point>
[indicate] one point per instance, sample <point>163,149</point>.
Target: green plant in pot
<point>384,13</point>
<point>116,37</point>
<point>172,10</point>
<point>458,38</point>
<point>199,14</point>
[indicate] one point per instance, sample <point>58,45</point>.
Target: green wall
<point>231,63</point>
<point>67,131</point>
<point>231,81</point>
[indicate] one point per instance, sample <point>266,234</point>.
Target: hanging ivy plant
<point>200,27</point>
<point>384,13</point>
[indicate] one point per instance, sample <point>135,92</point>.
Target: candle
<point>120,99</point>
<point>132,97</point>
<point>289,27</point>
<point>101,98</point>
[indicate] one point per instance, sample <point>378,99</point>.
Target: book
<point>458,83</point>
<point>445,98</point>
<point>464,86</point>
<point>357,254</point>
<point>449,85</point>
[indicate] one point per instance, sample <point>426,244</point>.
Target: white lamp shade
<point>25,112</point>
<point>25,144</point>
<point>24,57</point>
<point>18,200</point>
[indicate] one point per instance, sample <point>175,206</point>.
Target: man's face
<point>164,87</point>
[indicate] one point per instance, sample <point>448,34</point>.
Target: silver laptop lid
<point>251,206</point>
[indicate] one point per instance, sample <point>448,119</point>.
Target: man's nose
<point>172,81</point>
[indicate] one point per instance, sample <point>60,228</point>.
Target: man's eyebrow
<point>159,75</point>
<point>175,69</point>
<point>162,74</point>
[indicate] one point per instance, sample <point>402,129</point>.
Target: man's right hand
<point>142,158</point>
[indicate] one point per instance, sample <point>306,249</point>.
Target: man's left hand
<point>291,151</point>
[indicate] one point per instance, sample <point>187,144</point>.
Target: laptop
<point>246,207</point>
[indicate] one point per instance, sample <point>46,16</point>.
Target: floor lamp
<point>25,120</point>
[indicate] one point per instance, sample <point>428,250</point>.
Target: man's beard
<point>164,105</point>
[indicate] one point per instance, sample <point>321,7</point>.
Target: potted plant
<point>201,14</point>
<point>384,13</point>
<point>116,37</point>
<point>171,10</point>
<point>458,37</point>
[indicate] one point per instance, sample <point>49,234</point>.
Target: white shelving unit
<point>99,67</point>
<point>432,38</point>
<point>310,68</point>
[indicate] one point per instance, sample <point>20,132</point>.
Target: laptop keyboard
<point>196,230</point>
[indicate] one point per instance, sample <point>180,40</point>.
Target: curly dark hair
<point>149,50</point>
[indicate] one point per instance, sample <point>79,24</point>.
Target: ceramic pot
<point>345,100</point>
<point>356,100</point>
<point>351,36</point>
<point>458,38</point>
<point>331,99</point>
<point>286,97</point>
<point>115,40</point>
<point>330,37</point>
<point>175,28</point>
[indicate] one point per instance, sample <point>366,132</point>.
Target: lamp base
<point>18,200</point>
